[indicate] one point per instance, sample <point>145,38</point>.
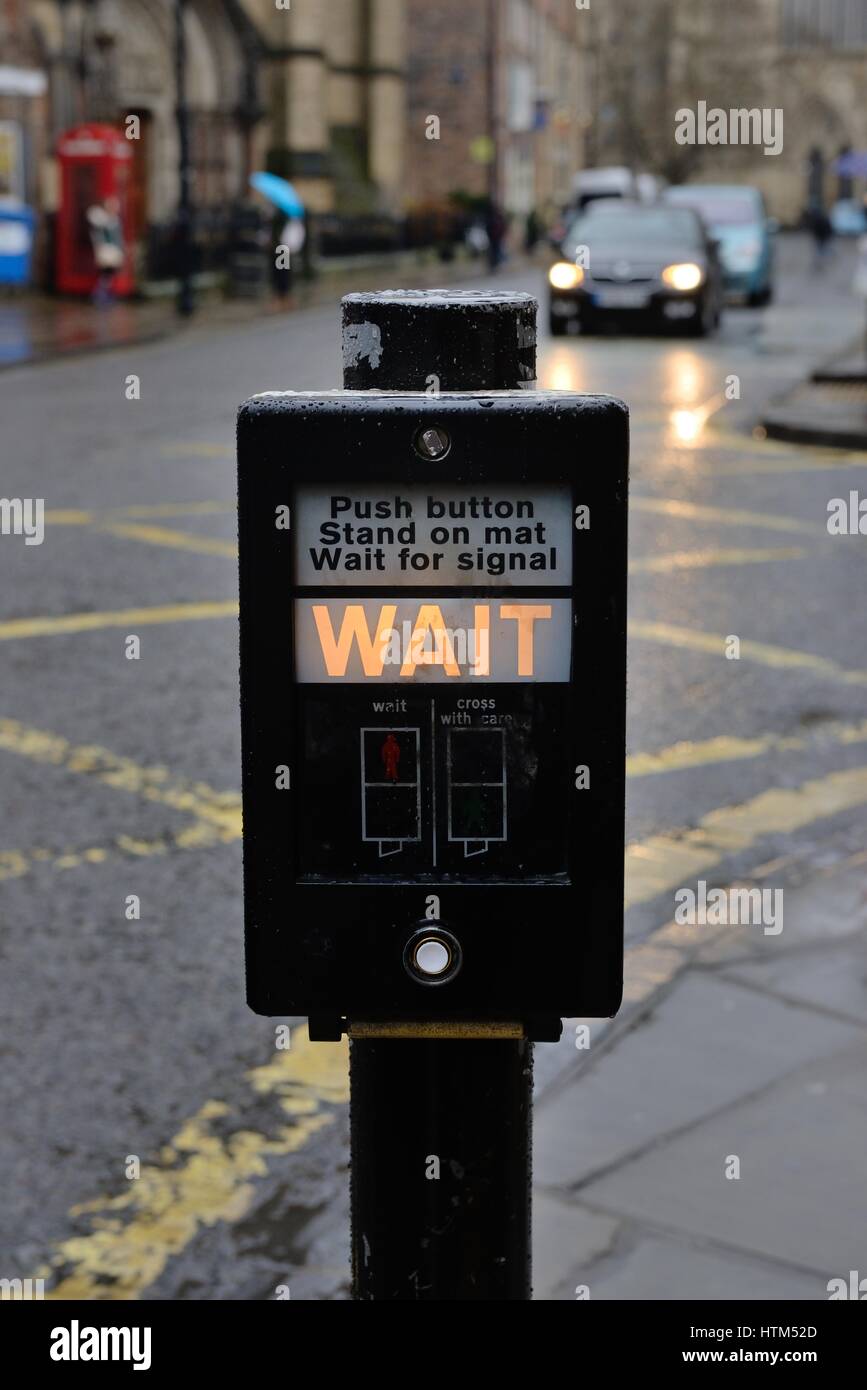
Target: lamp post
<point>72,63</point>
<point>186,302</point>
<point>493,103</point>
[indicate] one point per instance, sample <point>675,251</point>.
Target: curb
<point>44,357</point>
<point>332,283</point>
<point>784,420</point>
<point>790,430</point>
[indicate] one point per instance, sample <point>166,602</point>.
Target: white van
<point>613,182</point>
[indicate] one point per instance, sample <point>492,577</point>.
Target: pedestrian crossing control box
<point>433,630</point>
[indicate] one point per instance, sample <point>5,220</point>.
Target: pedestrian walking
<point>859,282</point>
<point>291,235</point>
<point>106,238</point>
<point>822,231</point>
<point>476,238</point>
<point>495,226</point>
<point>532,232</point>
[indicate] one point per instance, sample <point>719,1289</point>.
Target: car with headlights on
<point>738,221</point>
<point>633,263</point>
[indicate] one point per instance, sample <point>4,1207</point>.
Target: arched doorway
<point>130,71</point>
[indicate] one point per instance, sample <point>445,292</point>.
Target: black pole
<point>440,1169</point>
<point>440,1126</point>
<point>186,302</point>
<point>493,105</point>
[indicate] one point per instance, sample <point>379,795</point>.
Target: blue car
<point>738,221</point>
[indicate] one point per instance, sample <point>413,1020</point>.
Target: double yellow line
<point>207,1172</point>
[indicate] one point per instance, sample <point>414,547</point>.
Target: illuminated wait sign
<point>432,640</point>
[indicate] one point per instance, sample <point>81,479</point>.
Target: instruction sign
<point>435,536</point>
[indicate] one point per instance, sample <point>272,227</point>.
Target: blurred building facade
<point>314,91</point>
<point>333,80</point>
<point>506,82</point>
<point>649,58</point>
<point>821,80</point>
<point>24,104</point>
<point>378,107</point>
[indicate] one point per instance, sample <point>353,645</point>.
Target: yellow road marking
<point>768,455</point>
<point>782,658</point>
<point>723,516</point>
<point>176,540</point>
<point>725,748</point>
<point>760,455</point>
<point>655,961</point>
<point>663,862</point>
<point>175,509</point>
<point>756,443</point>
<point>70,517</point>
<point>130,618</point>
<point>692,462</point>
<point>806,464</point>
<point>217,815</point>
<point>113,523</point>
<point>707,559</point>
<point>198,835</point>
<point>202,1177</point>
<point>219,809</point>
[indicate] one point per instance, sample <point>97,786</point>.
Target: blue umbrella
<point>278,192</point>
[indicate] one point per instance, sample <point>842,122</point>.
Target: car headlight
<point>565,276</point>
<point>683,277</point>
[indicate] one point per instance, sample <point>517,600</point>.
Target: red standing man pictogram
<point>390,753</point>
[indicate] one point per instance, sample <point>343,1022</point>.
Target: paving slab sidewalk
<point>755,1051</point>
<point>37,328</point>
<point>829,408</point>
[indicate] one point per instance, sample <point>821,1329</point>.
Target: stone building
<point>647,59</point>
<point>312,89</point>
<point>504,79</point>
<point>334,79</point>
<point>24,104</point>
<point>820,78</point>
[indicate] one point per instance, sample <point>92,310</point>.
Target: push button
<point>432,956</point>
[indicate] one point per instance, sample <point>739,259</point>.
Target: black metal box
<point>433,675</point>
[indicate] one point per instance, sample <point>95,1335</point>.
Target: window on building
<point>11,160</point>
<point>520,114</point>
<point>836,24</point>
<point>520,24</point>
<point>210,132</point>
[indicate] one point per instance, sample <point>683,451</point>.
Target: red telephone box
<point>95,165</point>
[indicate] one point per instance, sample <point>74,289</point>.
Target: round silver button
<point>432,957</point>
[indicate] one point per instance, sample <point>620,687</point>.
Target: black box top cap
<point>453,340</point>
<point>491,301</point>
